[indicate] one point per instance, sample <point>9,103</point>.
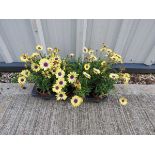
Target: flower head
<point>87,66</point>
<point>39,47</point>
<point>76,101</point>
<point>56,50</point>
<point>35,54</point>
<point>24,58</point>
<point>103,63</point>
<point>61,96</point>
<point>85,50</point>
<point>56,88</point>
<point>22,80</point>
<point>96,71</point>
<point>72,76</point>
<point>25,73</point>
<point>35,67</point>
<point>86,75</point>
<point>50,50</point>
<point>45,64</point>
<point>114,76</point>
<point>46,74</point>
<point>61,82</point>
<point>123,101</point>
<point>77,84</point>
<point>60,73</point>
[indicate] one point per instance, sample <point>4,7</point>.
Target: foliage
<point>79,78</point>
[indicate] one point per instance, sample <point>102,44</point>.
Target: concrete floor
<point>20,113</point>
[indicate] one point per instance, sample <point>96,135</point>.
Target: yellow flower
<point>109,51</point>
<point>56,88</point>
<point>125,77</point>
<point>46,74</point>
<point>60,73</point>
<point>45,64</point>
<point>103,63</point>
<point>103,48</point>
<point>39,47</point>
<point>24,58</point>
<point>76,101</point>
<point>25,73</point>
<point>61,96</point>
<point>123,101</point>
<point>53,71</point>
<point>61,82</point>
<point>85,50</point>
<point>35,54</point>
<point>56,50</point>
<point>86,75</point>
<point>35,67</point>
<point>87,66</point>
<point>21,80</point>
<point>90,51</point>
<point>72,77</point>
<point>50,50</point>
<point>96,71</point>
<point>77,84</point>
<point>114,76</point>
<point>92,58</point>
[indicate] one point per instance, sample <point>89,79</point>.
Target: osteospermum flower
<point>45,64</point>
<point>86,75</point>
<point>24,58</point>
<point>61,82</point>
<point>46,74</point>
<point>56,88</point>
<point>49,49</point>
<point>77,84</point>
<point>72,76</point>
<point>22,80</point>
<point>87,66</point>
<point>123,101</point>
<point>25,73</point>
<point>76,101</point>
<point>35,54</point>
<point>103,63</point>
<point>60,73</point>
<point>61,96</point>
<point>56,50</point>
<point>96,71</point>
<point>39,47</point>
<point>114,76</point>
<point>92,58</point>
<point>35,67</point>
<point>85,50</point>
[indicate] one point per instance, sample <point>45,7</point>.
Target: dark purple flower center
<point>61,82</point>
<point>57,87</point>
<point>122,100</point>
<point>45,64</point>
<point>72,77</point>
<point>75,100</point>
<point>59,74</point>
<point>22,80</point>
<point>56,58</point>
<point>61,95</point>
<point>35,67</point>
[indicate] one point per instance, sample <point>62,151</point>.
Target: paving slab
<point>22,114</point>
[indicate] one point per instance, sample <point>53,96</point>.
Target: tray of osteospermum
<point>87,78</point>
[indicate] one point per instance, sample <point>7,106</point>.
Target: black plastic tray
<point>52,96</point>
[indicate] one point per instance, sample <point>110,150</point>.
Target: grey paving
<point>22,114</point>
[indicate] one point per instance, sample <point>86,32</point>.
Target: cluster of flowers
<point>52,65</point>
